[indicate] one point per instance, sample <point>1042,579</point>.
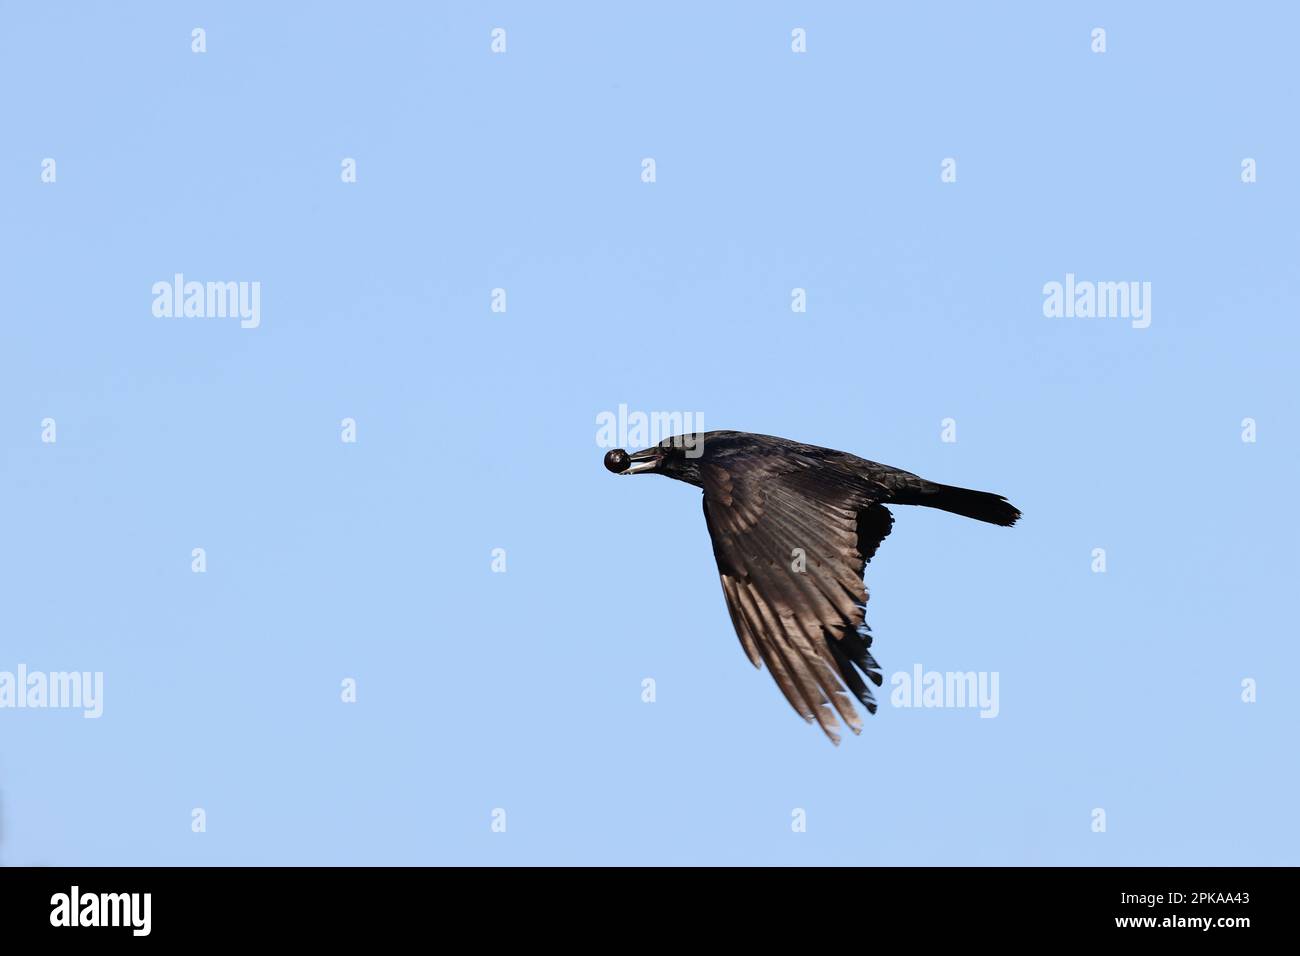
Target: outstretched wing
<point>791,537</point>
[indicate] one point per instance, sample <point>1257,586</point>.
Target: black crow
<point>793,527</point>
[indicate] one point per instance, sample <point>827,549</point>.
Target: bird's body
<point>793,527</point>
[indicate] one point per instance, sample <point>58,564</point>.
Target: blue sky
<point>476,429</point>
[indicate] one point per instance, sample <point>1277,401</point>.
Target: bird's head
<point>677,457</point>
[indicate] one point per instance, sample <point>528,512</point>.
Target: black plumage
<point>793,527</point>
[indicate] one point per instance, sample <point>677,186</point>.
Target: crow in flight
<point>793,527</point>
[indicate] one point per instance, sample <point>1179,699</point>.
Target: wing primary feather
<point>805,623</point>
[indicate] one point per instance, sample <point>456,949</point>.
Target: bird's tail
<point>980,505</point>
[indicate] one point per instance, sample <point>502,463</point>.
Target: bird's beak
<point>645,460</point>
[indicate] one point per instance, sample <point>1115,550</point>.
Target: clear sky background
<point>476,430</point>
